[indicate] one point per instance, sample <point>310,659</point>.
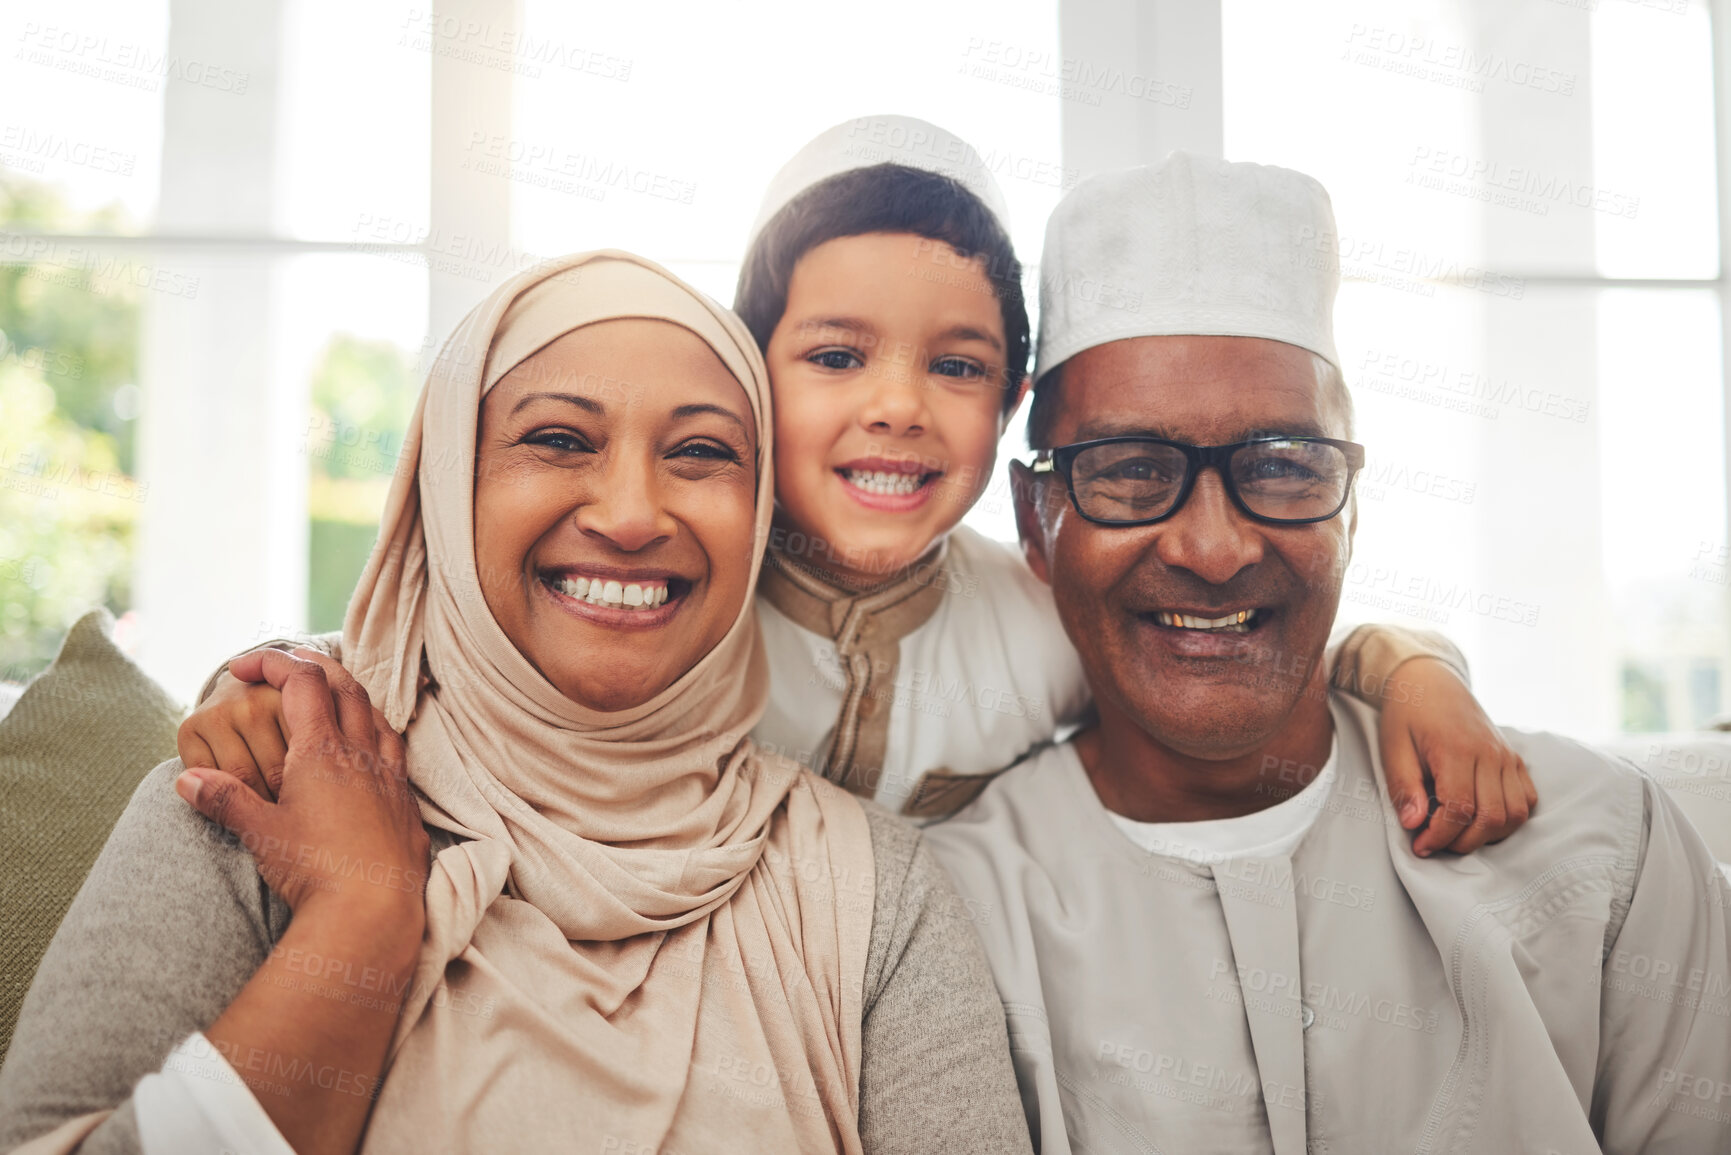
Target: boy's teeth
<point>1235,622</point>
<point>635,595</point>
<point>877,481</point>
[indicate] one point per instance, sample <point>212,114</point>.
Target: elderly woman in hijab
<point>639,934</point>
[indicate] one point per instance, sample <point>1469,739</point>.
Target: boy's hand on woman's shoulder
<point>345,832</point>
<point>239,729</point>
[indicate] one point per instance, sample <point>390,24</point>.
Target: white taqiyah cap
<point>873,140</point>
<point>1192,245</point>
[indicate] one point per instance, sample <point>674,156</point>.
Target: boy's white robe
<point>1567,990</point>
<point>988,676</point>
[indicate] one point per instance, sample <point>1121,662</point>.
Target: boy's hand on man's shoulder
<point>1451,775</point>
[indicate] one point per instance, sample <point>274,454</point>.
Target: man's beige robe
<point>1568,990</point>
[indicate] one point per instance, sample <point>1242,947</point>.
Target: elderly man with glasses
<point>1207,925</point>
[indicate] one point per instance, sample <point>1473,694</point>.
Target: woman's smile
<point>609,596</point>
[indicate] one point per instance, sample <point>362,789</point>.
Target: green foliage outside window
<point>68,399</point>
<point>362,394</point>
<point>69,498</point>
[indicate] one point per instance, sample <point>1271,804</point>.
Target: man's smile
<point>1205,629</point>
<point>1233,621</point>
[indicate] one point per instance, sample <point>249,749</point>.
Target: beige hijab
<point>652,937</point>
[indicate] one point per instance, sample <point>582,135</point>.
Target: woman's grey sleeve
<point>935,1072</point>
<point>171,923</point>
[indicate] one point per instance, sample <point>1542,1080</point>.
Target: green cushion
<point>72,751</point>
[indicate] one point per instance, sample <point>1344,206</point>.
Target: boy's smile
<point>889,403</point>
<point>888,483</point>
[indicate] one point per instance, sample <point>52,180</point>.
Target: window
<point>231,241</point>
<point>1530,320</point>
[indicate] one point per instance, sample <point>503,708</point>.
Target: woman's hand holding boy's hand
<point>342,843</point>
<point>344,830</point>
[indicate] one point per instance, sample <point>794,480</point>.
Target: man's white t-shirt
<point>1269,833</point>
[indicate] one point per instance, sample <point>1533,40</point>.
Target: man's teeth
<point>632,596</point>
<point>1237,623</point>
<point>877,481</point>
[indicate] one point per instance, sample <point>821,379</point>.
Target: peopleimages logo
<point>23,147</point>
<point>1071,78</point>
<point>545,162</point>
<point>1462,389</point>
<point>1370,259</point>
<point>32,471</point>
<point>1513,186</point>
<point>85,268</point>
<point>505,48</point>
<point>1422,595</point>
<point>121,62</point>
<point>1453,65</point>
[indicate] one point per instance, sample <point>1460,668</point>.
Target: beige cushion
<point>72,750</point>
<point>1695,769</point>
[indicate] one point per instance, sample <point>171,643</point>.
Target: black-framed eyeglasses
<point>1141,480</point>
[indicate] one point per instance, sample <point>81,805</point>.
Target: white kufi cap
<point>873,140</point>
<point>1190,246</point>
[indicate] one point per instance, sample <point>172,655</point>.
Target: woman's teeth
<point>1236,623</point>
<point>877,481</point>
<point>632,596</point>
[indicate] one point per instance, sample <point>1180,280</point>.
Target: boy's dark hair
<point>884,198</point>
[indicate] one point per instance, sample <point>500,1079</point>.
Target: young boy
<point>911,657</point>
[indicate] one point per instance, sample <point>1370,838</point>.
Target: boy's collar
<point>867,629</point>
<point>821,604</point>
